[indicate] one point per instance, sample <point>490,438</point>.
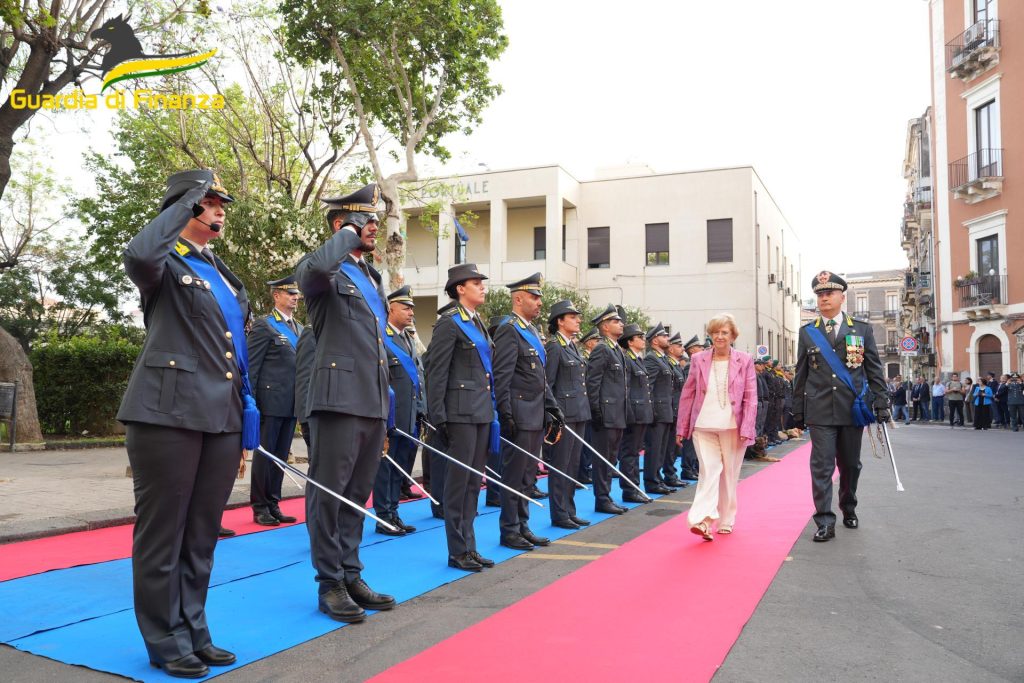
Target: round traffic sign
<point>762,350</point>
<point>908,344</point>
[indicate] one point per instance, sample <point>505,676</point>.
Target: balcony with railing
<point>922,197</point>
<point>977,176</point>
<point>891,350</point>
<point>974,51</point>
<point>981,297</point>
<point>891,314</point>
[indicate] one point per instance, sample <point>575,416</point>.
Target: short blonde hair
<point>720,321</point>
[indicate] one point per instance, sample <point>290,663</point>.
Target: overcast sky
<point>814,94</point>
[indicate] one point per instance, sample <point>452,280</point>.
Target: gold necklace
<point>721,388</point>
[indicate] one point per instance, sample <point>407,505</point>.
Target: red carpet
<point>627,616</point>
<point>102,545</point>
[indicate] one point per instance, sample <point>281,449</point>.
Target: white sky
<point>814,94</point>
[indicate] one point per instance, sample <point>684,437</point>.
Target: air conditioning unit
<point>771,278</point>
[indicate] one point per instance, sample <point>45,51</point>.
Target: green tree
<point>419,68</point>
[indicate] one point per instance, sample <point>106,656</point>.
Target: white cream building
<point>682,246</point>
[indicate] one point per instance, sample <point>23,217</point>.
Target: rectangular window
<point>563,243</point>
<point>720,240</point>
<point>892,302</point>
<point>862,304</point>
<point>657,244</point>
<point>460,251</point>
<point>540,251</point>
<point>988,255</point>
<point>986,139</point>
<point>982,10</point>
<point>598,248</point>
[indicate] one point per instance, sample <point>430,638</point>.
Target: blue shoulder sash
<point>372,298</point>
<point>483,349</point>
<point>286,332</point>
<point>531,339</point>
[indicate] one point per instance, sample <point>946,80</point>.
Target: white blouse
<point>713,417</point>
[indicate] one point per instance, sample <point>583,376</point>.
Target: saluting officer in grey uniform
<point>405,373</point>
<point>660,378</point>
<point>272,343</point>
<point>606,389</point>
<point>305,351</point>
<point>639,410</point>
<point>348,399</point>
<point>460,403</point>
<point>826,403</point>
<point>567,376</point>
<point>183,418</point>
<point>525,407</point>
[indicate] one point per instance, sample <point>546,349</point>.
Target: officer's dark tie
<point>363,267</point>
<point>293,326</point>
<point>208,255</point>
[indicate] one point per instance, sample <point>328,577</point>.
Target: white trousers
<point>721,456</point>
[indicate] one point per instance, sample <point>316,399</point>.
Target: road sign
<point>909,344</point>
<point>762,350</point>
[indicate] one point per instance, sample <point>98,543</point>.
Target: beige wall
<point>521,222</point>
<point>421,243</point>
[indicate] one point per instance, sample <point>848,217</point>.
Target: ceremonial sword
<point>409,477</point>
<point>466,467</point>
<point>892,458</point>
<point>294,470</point>
<point>593,450</point>
<point>546,465</point>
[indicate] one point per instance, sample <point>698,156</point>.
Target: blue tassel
<point>862,415</point>
<point>250,423</point>
<point>391,409</point>
<point>495,444</point>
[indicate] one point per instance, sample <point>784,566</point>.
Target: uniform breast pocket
<point>467,396</point>
<point>196,297</point>
<point>336,378</point>
<point>170,380</point>
<point>348,298</point>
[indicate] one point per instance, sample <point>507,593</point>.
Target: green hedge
<point>79,382</point>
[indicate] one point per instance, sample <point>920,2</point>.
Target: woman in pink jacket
<point>717,410</point>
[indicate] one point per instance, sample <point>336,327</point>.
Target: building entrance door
<point>990,356</point>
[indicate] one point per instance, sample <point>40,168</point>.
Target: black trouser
<point>519,472</point>
<point>956,410</point>
<point>982,416</point>
<point>656,452</point>
<point>586,457</point>
<point>606,442</point>
<point>1016,415</point>
<point>387,487</point>
<point>182,480</point>
<point>344,458</point>
<point>690,463</point>
<point>469,443</point>
<point>629,454</point>
<point>565,455</point>
<point>834,446</point>
<point>493,493</point>
<point>276,436</point>
<point>304,428</point>
<point>1003,413</point>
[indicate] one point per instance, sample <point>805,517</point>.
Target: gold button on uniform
<point>228,375</point>
<point>227,354</point>
<point>334,365</point>
<point>171,363</point>
<point>228,334</point>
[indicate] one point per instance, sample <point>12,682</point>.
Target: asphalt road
<point>928,589</point>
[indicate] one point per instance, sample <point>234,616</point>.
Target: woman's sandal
<point>702,529</point>
<point>725,529</point>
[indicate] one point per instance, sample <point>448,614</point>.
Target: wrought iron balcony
<point>974,50</point>
<point>978,296</point>
<point>977,176</point>
<point>892,314</point>
<point>891,349</point>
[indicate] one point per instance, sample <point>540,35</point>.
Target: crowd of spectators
<point>990,402</point>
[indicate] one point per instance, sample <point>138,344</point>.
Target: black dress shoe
<point>536,493</point>
<point>516,542</point>
<point>565,524</point>
<point>692,476</point>
<point>188,666</point>
<point>264,518</point>
<point>225,533</point>
<point>579,521</point>
<point>634,497</point>
<point>610,509</point>
<point>383,530</point>
<point>825,532</point>
<point>481,560</point>
<point>437,512</point>
<point>851,522</point>
<point>675,482</point>
<point>275,511</point>
<point>339,605</point>
<point>660,489</point>
<point>466,563</point>
<point>367,598</point>
<point>397,521</point>
<point>215,656</point>
<point>534,538</point>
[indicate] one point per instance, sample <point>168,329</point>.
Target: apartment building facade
<point>977,76</point>
<point>682,246</point>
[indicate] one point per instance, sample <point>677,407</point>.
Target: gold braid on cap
<point>364,208</point>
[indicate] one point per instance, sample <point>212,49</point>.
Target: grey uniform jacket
<point>458,387</point>
<point>818,394</point>
<point>606,384</point>
<point>567,376</point>
<point>408,402</point>
<point>661,380</point>
<point>520,381</point>
<point>272,368</point>
<point>186,375</point>
<point>678,378</point>
<point>305,350</point>
<point>350,372</point>
<point>641,409</point>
